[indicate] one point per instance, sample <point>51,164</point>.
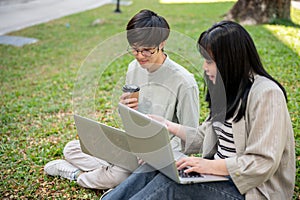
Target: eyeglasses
<point>144,52</point>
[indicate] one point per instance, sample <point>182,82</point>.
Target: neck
<point>161,59</point>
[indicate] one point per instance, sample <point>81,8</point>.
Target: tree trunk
<point>250,12</point>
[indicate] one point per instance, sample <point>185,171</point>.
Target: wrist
<point>218,167</point>
<point>172,127</point>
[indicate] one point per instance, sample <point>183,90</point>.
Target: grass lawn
<point>39,81</point>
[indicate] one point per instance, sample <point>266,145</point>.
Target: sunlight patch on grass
<point>194,1</point>
<point>286,35</point>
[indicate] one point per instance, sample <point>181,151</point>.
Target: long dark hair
<point>147,29</point>
<point>231,47</point>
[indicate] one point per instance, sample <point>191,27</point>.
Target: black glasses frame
<point>146,53</point>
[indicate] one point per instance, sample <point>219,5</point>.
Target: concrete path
<point>296,4</point>
<point>19,14</point>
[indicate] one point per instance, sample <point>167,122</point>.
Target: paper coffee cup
<point>133,89</point>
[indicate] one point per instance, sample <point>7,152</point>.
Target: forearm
<point>176,129</point>
<point>218,167</point>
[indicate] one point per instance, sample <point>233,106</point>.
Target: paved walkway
<point>19,14</point>
<point>296,4</point>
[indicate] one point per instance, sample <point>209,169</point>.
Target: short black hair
<point>147,29</point>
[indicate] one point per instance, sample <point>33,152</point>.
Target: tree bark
<point>251,12</point>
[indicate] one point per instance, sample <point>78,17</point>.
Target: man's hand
<point>130,102</point>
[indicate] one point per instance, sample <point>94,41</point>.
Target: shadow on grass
<point>284,22</point>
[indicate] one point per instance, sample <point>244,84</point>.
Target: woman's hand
<point>140,161</point>
<point>171,126</point>
<point>130,102</point>
<point>159,119</point>
<point>174,128</point>
<point>204,166</point>
<point>194,164</point>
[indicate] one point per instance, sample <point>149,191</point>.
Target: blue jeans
<point>150,184</point>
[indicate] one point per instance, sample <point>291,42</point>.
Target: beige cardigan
<point>264,167</point>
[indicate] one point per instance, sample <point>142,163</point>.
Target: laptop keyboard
<point>182,174</point>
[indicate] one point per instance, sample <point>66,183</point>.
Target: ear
<point>162,44</point>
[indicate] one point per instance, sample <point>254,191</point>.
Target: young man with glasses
<point>166,89</point>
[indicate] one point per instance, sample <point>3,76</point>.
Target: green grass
<point>38,82</point>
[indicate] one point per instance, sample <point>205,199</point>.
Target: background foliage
<point>37,83</point>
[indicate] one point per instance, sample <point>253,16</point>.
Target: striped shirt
<point>226,146</point>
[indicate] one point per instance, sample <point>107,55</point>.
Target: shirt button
<point>237,174</point>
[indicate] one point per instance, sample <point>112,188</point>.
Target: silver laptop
<point>105,142</point>
<point>149,140</point>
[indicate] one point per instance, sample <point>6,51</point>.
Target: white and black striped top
<point>226,146</point>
